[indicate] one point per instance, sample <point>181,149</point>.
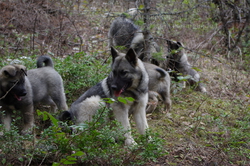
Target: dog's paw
<point>26,131</point>
<point>130,142</point>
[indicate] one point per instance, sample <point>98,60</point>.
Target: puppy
<point>21,90</point>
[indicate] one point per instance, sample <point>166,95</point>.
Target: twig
<point>77,32</point>
<point>176,13</point>
<point>9,90</point>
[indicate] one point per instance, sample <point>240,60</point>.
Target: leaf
<point>55,164</point>
<point>122,100</point>
<point>54,120</point>
<point>40,113</point>
<point>70,158</point>
<point>130,98</point>
<point>186,2</point>
<point>3,161</point>
<point>108,100</point>
<point>195,68</point>
<point>79,153</point>
<point>141,7</point>
<point>185,78</point>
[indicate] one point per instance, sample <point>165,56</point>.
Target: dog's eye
<point>123,72</point>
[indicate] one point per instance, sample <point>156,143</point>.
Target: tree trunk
<point>146,33</point>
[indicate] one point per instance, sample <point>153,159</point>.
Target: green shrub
<point>80,72</point>
<point>99,142</point>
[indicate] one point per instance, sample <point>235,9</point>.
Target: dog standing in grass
<point>21,90</point>
<point>159,85</point>
<point>128,78</point>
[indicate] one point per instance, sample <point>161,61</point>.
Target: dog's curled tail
<point>46,60</point>
<point>65,116</point>
<point>162,72</point>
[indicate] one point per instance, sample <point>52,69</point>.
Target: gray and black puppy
<point>16,94</point>
<point>21,92</point>
<point>123,32</point>
<point>178,61</point>
<point>128,78</point>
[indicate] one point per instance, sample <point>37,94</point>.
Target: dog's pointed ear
<point>114,54</point>
<point>168,42</point>
<point>9,71</point>
<point>172,45</point>
<point>23,69</point>
<point>179,44</point>
<point>131,57</point>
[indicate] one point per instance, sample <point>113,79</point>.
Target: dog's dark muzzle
<point>118,91</point>
<point>18,92</point>
<point>22,93</point>
<point>114,87</point>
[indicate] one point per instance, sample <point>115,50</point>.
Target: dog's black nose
<point>23,93</point>
<point>114,87</point>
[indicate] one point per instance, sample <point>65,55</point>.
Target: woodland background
<point>201,129</point>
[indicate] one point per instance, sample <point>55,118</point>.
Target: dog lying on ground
<point>21,90</point>
<point>128,78</point>
<point>177,61</point>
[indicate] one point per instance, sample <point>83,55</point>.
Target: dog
<point>159,85</point>
<point>128,78</point>
<point>125,34</point>
<point>22,90</point>
<point>47,85</point>
<point>178,61</point>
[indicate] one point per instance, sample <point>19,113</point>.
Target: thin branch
<point>9,90</point>
<point>177,13</point>
<point>146,32</point>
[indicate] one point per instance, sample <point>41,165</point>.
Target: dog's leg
<point>166,99</point>
<point>140,120</point>
<point>152,101</point>
<point>6,119</point>
<point>59,99</point>
<point>28,118</point>
<point>121,115</point>
<point>168,104</point>
<point>139,115</point>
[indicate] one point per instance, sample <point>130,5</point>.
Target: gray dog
<point>47,85</point>
<point>177,61</point>
<point>159,85</point>
<point>128,78</point>
<point>124,33</point>
<point>21,93</point>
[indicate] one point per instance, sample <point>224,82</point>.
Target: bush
<point>100,142</point>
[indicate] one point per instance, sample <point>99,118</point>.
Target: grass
<point>205,129</point>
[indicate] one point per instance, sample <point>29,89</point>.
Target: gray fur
<point>15,94</point>
<point>47,85</point>
<point>178,61</point>
<point>41,86</point>
<point>123,32</point>
<point>128,78</point>
<point>159,81</point>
